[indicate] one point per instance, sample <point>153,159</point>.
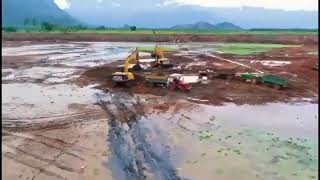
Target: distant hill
<point>201,25</point>
<point>17,12</point>
<point>226,25</point>
<point>157,14</point>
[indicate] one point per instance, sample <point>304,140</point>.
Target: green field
<point>82,29</point>
<point>165,47</point>
<point>249,48</point>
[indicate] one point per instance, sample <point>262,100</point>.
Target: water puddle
<point>29,100</point>
<point>272,141</point>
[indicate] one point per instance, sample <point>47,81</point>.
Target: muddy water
<point>271,141</point>
<point>212,142</point>
<point>89,53</point>
<point>247,142</point>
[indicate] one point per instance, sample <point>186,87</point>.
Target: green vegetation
<point>133,28</point>
<point>205,135</point>
<point>9,29</point>
<point>32,25</point>
<point>165,47</point>
<point>250,48</point>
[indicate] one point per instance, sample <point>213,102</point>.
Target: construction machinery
<point>176,83</point>
<point>172,82</point>
<point>160,60</point>
<point>274,80</point>
<point>155,79</point>
<point>125,75</point>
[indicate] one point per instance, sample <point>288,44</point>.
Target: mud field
<point>62,117</point>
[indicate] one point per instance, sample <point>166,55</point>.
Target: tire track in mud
<point>134,156</point>
<point>50,122</point>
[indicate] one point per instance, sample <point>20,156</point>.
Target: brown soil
<point>56,37</point>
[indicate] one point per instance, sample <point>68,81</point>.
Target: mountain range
<point>17,12</point>
<point>152,14</point>
<point>207,26</point>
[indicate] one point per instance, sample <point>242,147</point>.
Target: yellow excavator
<point>160,60</point>
<point>125,75</point>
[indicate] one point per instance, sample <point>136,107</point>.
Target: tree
<point>10,29</point>
<point>47,26</point>
<point>133,28</point>
<point>101,28</point>
<point>26,21</point>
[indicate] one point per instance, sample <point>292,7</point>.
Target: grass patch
<point>250,48</point>
<point>151,48</point>
<point>107,30</point>
<point>314,53</point>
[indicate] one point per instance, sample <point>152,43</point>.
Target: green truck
<point>274,80</point>
<point>156,79</point>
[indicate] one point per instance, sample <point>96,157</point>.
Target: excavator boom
<point>126,75</point>
<point>131,59</point>
<point>158,54</point>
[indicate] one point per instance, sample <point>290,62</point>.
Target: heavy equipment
<point>274,80</point>
<point>125,75</point>
<point>160,60</point>
<point>172,82</point>
<point>177,83</point>
<point>157,78</point>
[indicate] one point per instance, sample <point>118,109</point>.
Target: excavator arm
<point>125,75</point>
<point>131,59</point>
<point>159,52</point>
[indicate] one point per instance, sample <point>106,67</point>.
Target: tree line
<point>30,24</point>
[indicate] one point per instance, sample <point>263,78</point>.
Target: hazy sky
<point>273,4</point>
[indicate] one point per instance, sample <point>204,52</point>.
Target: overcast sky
<point>273,4</point>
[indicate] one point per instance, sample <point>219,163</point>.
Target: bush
<point>47,26</point>
<point>100,28</point>
<point>133,28</point>
<point>10,29</point>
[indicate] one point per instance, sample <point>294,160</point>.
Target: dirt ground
<point>64,119</point>
<point>303,79</point>
<point>66,37</point>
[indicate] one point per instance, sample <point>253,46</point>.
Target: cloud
<point>272,4</point>
<point>63,4</point>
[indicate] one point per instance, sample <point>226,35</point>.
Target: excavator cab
<point>125,75</point>
<point>160,60</point>
<point>122,77</point>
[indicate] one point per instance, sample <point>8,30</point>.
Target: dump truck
<point>156,79</point>
<point>274,80</point>
<point>222,73</point>
<point>173,82</point>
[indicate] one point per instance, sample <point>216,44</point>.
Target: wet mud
<point>135,153</point>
